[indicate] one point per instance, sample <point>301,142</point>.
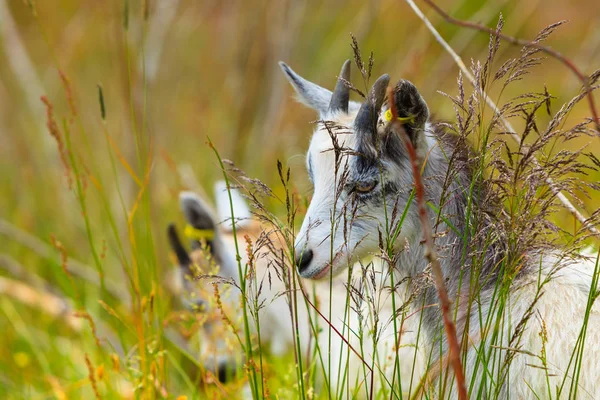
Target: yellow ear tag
<point>388,117</point>
<point>198,234</point>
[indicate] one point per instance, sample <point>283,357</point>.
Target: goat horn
<point>341,95</point>
<point>366,119</point>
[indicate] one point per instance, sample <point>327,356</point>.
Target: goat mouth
<point>321,274</point>
<point>316,274</point>
<point>325,270</point>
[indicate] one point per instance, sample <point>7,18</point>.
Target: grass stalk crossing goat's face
<point>359,168</point>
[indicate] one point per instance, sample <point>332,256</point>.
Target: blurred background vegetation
<point>173,73</point>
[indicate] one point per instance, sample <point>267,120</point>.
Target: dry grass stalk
<point>76,268</point>
<point>585,80</point>
<point>85,315</point>
<point>430,253</point>
<point>92,376</point>
<point>507,125</point>
<point>55,133</point>
<point>49,303</point>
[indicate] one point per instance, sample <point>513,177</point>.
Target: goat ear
<point>198,214</point>
<point>183,257</point>
<point>184,280</point>
<point>310,94</point>
<point>410,104</point>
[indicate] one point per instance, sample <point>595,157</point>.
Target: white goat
<point>343,370</point>
<point>518,344</point>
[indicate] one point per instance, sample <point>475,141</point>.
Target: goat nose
<point>303,259</point>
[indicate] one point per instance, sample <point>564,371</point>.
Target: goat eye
<point>365,187</point>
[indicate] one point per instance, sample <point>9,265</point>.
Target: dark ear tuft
<point>409,103</point>
<point>182,256</point>
<point>200,216</point>
<point>197,213</point>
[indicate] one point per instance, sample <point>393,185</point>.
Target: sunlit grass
<point>107,188</point>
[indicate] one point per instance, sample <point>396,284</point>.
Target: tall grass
<point>110,189</point>
<point>512,197</point>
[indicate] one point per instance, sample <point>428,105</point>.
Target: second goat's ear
<point>197,212</point>
<point>183,257</point>
<point>201,225</point>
